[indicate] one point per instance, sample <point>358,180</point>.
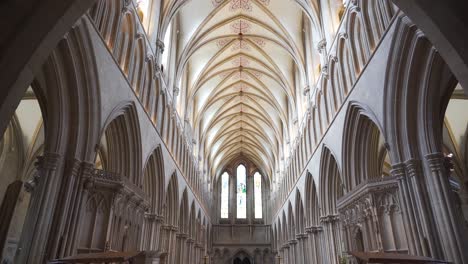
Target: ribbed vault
<point>241,72</point>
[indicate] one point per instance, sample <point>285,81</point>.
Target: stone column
<point>172,244</point>
<point>157,234</point>
<point>302,238</point>
<point>453,234</point>
<point>178,248</point>
<point>66,219</point>
<point>38,223</point>
<point>293,251</point>
<point>413,232</point>
<point>312,247</point>
<point>285,249</point>
<point>190,243</point>
<point>332,238</point>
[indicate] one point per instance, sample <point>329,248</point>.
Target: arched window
<point>225,195</point>
<point>258,195</point>
<point>241,192</point>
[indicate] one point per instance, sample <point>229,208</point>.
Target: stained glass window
<point>258,195</point>
<point>241,192</point>
<point>225,195</point>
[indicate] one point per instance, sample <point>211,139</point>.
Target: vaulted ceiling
<point>241,69</point>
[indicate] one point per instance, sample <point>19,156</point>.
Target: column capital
<point>413,167</point>
<point>437,161</point>
<point>48,161</point>
<point>292,242</point>
<point>330,218</point>
<point>182,235</point>
<point>301,236</point>
<point>314,229</point>
<point>398,170</point>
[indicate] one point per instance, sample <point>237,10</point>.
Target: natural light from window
<point>241,192</point>
<point>258,195</point>
<point>225,195</point>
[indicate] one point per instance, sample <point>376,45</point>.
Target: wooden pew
<point>133,257</point>
<point>394,258</point>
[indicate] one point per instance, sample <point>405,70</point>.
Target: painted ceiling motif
<point>241,64</point>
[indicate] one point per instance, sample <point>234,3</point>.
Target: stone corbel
<point>325,71</point>
<point>176,91</point>
<point>160,46</point>
<point>47,162</point>
<point>322,45</point>
<point>157,71</point>
<point>306,90</point>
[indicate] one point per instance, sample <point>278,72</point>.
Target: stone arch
<point>299,212</point>
<point>425,84</point>
<point>106,16</point>
<point>358,37</point>
<point>241,256</point>
<point>137,67</point>
<point>292,228</point>
<point>184,213</point>
<point>67,91</point>
<point>192,221</point>
<point>331,186</point>
<point>312,202</point>
<point>125,41</point>
<point>363,145</point>
<point>172,201</point>
<point>121,140</point>
<point>154,180</point>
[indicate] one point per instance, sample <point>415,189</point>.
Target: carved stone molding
<point>413,167</point>
<point>176,91</point>
<point>322,45</point>
<point>306,90</point>
<point>47,162</point>
<point>398,170</point>
<point>330,219</point>
<point>160,46</point>
<point>436,161</point>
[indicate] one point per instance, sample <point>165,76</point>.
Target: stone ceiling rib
<point>243,69</point>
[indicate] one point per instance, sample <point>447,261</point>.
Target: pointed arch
<point>331,186</point>
<point>362,146</point>
<point>121,140</point>
<point>172,201</point>
<point>154,181</point>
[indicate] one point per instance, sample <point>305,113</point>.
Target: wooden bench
<point>133,257</point>
<point>395,258</point>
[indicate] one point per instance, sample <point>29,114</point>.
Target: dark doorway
<point>239,261</point>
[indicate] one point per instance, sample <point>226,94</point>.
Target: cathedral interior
<point>233,131</point>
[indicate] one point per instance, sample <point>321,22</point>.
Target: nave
<point>233,131</point>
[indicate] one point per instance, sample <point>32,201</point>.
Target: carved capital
<point>436,161</point>
<point>413,167</point>
<point>398,170</point>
